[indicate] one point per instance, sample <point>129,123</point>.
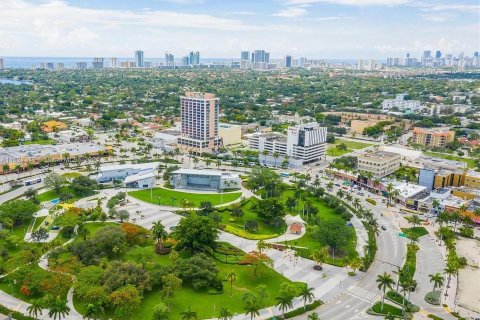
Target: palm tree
<point>306,293</point>
<point>385,282</point>
<point>231,277</point>
<point>218,163</point>
<point>316,182</point>
<point>348,197</point>
<point>6,169</point>
<point>390,189</point>
<point>189,314</point>
<point>252,310</point>
<point>58,309</point>
<point>275,157</point>
<point>313,316</point>
<point>261,245</point>
<point>284,303</point>
<point>159,232</point>
<point>340,194</point>
<point>437,280</point>
<point>35,308</point>
<point>330,186</point>
<point>265,154</point>
<point>356,203</point>
<point>415,220</point>
<point>224,314</point>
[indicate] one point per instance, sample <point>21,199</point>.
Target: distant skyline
<point>330,29</point>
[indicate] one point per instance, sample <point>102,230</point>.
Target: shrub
<point>15,314</point>
<point>434,317</point>
<point>371,201</point>
<point>433,297</point>
<point>302,310</point>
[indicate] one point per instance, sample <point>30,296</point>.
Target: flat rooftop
<point>133,166</point>
<point>13,154</point>
<point>379,155</point>
<point>409,190</point>
<point>200,172</point>
<point>272,136</point>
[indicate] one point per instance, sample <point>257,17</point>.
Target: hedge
<point>301,310</point>
<point>398,299</point>
<point>371,201</point>
<point>247,235</point>
<point>408,269</point>
<point>434,317</point>
<point>15,314</point>
<point>387,308</point>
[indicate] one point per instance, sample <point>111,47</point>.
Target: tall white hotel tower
<point>199,115</point>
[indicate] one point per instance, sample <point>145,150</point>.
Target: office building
<point>185,61</point>
<point>379,163</point>
<point>113,63</point>
<point>205,180</point>
<point>98,63</point>
<point>260,56</point>
<point>438,54</point>
<point>199,116</point>
<point>133,175</point>
<point>435,137</point>
<point>50,66</point>
<point>304,143</point>
<point>426,54</point>
<point>194,58</point>
<point>82,65</point>
<point>288,61</point>
<point>60,66</point>
<point>245,55</point>
<point>139,59</point>
<point>169,60</point>
<point>2,64</point>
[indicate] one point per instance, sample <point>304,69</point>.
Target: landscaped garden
<point>174,198</point>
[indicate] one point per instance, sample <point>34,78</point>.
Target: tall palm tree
<point>330,186</point>
<point>307,295</point>
<point>437,280</point>
<point>284,303</point>
<point>340,194</point>
<point>356,203</point>
<point>58,309</point>
<point>35,308</point>
<point>231,277</point>
<point>275,157</point>
<point>385,282</point>
<point>189,314</point>
<point>252,310</point>
<point>224,314</point>
<point>348,197</point>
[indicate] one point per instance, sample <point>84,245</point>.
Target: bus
<point>33,181</point>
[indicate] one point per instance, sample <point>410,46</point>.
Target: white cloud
<point>351,2</point>
<point>291,12</point>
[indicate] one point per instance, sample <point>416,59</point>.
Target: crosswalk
<point>362,294</point>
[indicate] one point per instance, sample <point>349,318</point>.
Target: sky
<point>328,29</point>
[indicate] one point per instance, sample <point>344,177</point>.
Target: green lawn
<point>418,231</point>
<point>264,229</point>
<point>38,222</point>
<point>17,254</point>
<point>164,197</point>
<point>334,152</point>
<point>354,145</point>
<point>205,304</point>
<point>387,308</point>
<point>51,194</point>
<point>470,162</point>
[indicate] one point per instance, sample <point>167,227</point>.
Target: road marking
<point>362,294</point>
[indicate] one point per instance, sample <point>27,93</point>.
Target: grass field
<point>417,231</point>
<point>351,146</point>
<point>470,162</point>
<point>204,303</point>
<point>387,308</point>
<point>164,197</point>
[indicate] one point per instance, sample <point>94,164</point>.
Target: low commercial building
<point>230,133</point>
<point>134,175</point>
<point>303,144</point>
<point>69,136</point>
<point>36,154</point>
<point>205,180</point>
<point>379,163</point>
<point>442,178</point>
<point>435,137</point>
<point>410,195</point>
<point>165,139</point>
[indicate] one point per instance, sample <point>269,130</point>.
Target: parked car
<point>384,228</point>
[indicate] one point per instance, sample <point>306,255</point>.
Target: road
<point>358,298</point>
